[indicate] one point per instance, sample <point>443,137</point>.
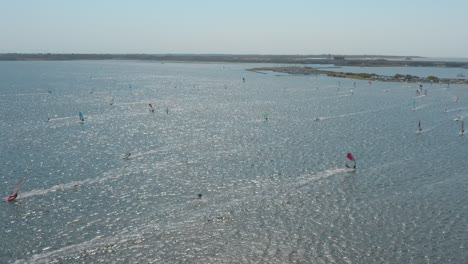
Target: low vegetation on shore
<point>356,60</point>
<point>359,76</point>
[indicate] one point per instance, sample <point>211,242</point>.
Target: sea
<point>231,166</point>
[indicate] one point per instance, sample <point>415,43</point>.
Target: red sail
<point>350,157</point>
<point>13,196</point>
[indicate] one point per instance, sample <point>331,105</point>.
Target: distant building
<point>338,58</point>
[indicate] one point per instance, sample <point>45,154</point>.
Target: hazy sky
<point>385,27</point>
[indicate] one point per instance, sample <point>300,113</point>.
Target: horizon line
<point>217,54</point>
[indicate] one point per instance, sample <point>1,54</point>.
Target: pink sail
<point>351,162</point>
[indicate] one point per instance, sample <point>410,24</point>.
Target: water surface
<point>273,181</point>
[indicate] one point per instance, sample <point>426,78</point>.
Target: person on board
<point>12,197</point>
<point>200,196</point>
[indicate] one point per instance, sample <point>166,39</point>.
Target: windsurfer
<point>127,156</point>
<point>12,197</point>
<point>151,109</point>
<point>351,159</point>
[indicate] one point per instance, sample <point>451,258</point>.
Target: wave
<point>62,118</point>
<point>136,235</point>
<point>336,96</point>
<point>77,184</point>
<point>59,187</point>
<point>455,109</point>
<point>67,186</point>
<point>357,113</point>
<point>420,107</point>
<point>24,94</point>
<point>323,175</point>
<point>97,242</point>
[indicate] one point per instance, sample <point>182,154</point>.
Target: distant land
<point>294,70</point>
<point>338,60</point>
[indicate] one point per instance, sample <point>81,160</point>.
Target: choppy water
<point>274,191</point>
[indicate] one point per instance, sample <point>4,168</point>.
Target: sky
<point>428,28</point>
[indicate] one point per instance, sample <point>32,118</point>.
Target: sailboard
<point>351,161</point>
<point>13,196</point>
<point>80,114</point>
<point>419,127</point>
<point>462,127</point>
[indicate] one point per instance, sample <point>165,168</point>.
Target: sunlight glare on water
<point>266,154</point>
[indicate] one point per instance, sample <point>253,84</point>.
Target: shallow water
<point>274,191</point>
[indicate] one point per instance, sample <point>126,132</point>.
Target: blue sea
<point>266,154</point>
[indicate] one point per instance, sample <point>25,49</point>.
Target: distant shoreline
<point>350,60</point>
<point>359,76</point>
